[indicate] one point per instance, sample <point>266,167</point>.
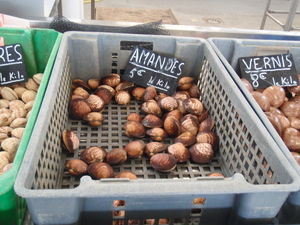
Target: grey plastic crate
<point>259,177</point>
<point>229,50</point>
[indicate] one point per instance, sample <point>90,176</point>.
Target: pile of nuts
<point>281,105</point>
<point>15,105</point>
<point>181,116</point>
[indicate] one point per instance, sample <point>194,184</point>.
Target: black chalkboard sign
<point>12,67</point>
<point>265,71</point>
<point>148,68</point>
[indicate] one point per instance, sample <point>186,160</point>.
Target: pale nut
<point>5,119</point>
<point>93,154</point>
<point>193,106</point>
<point>168,103</point>
<point>38,77</point>
<point>7,167</point>
<point>96,103</point>
<point>10,145</point>
<point>4,103</point>
<point>28,106</point>
<point>28,114</point>
<point>3,163</point>
<point>19,91</point>
<point>30,84</point>
<point>179,151</point>
<point>28,96</point>
<point>185,83</point>
<point>18,132</point>
<point>5,155</point>
<point>94,119</point>
<point>93,83</point>
<point>15,104</point>
<point>18,122</point>
<point>135,148</point>
<point>6,130</point>
<point>3,136</point>
<point>122,98</point>
<point>154,147</point>
<point>81,92</point>
<point>8,94</point>
<point>19,113</point>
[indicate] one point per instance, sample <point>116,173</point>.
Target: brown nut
<point>291,108</point>
<point>96,103</point>
<point>124,86</point>
<point>294,122</point>
<point>275,122</point>
<point>291,138</point>
<point>296,156</point>
<point>78,108</point>
<point>172,126</point>
<point>262,100</point>
<point>201,152</point>
<point>70,141</point>
<point>93,154</point>
<point>138,93</point>
<point>176,113</point>
<point>276,111</point>
<point>215,175</point>
<point>135,148</point>
<point>93,83</point>
<point>284,122</point>
<point>189,123</point>
<point>193,106</point>
<point>94,119</point>
<point>207,124</point>
<point>186,138</point>
<point>134,117</point>
<point>150,93</point>
<point>81,92</point>
<point>247,84</point>
<point>116,156</point>
<point>152,121</point>
<point>76,167</point>
<point>160,96</point>
<point>109,88</point>
<point>104,93</point>
<point>179,151</point>
<point>185,83</point>
<point>157,134</point>
<point>203,116</point>
<point>122,98</point>
<point>276,95</point>
<point>112,80</point>
<point>194,91</point>
<point>163,162</point>
<point>181,107</point>
<point>210,137</point>
<point>151,107</point>
<point>99,170</point>
<point>155,147</point>
<point>134,129</point>
<point>168,103</point>
<point>181,95</point>
<point>80,83</point>
<point>126,174</point>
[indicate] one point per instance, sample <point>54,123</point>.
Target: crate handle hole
<point>199,201</point>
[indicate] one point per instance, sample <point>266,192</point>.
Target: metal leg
<point>93,9</point>
<point>289,21</point>
<point>263,22</point>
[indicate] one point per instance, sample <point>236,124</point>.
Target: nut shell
<point>122,97</point>
<point>193,106</point>
<point>168,103</point>
<point>134,117</point>
<point>151,107</point>
<point>163,162</point>
<point>93,83</point>
<point>126,174</point>
<point>150,93</point>
<point>210,137</point>
<point>94,119</point>
<point>135,148</point>
<point>76,167</point>
<point>262,100</point>
<point>189,123</point>
<point>276,95</point>
<point>116,156</point>
<point>172,126</point>
<point>96,103</point>
<point>112,80</point>
<point>186,138</point>
<point>138,93</point>
<point>152,121</point>
<point>70,141</point>
<point>104,93</point>
<point>78,108</point>
<point>93,154</point>
<point>179,151</point>
<point>185,83</point>
<point>81,92</point>
<point>201,152</point>
<point>154,147</point>
<point>291,138</point>
<point>134,129</point>
<point>99,170</point>
<point>157,134</point>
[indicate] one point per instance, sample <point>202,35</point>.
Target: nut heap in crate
<point>281,105</point>
<point>181,116</point>
<point>15,105</point>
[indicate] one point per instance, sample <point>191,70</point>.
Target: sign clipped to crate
<point>12,67</point>
<point>148,68</point>
<point>265,71</point>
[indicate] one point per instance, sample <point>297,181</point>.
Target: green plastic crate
<point>39,47</point>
